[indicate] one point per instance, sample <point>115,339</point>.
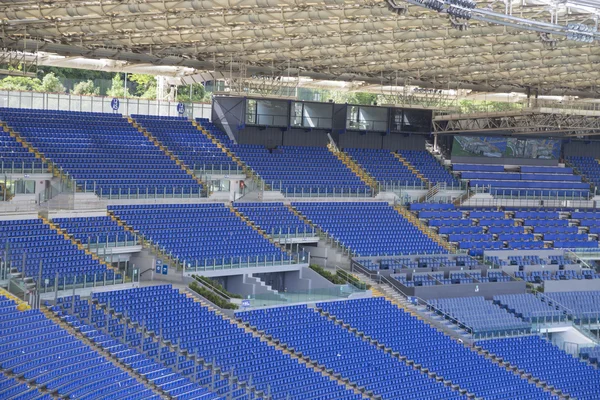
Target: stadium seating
<point>529,308</point>
<point>548,363</point>
<point>588,166</point>
<point>11,388</point>
<point>345,353</point>
<point>30,241</point>
<point>158,364</point>
<point>369,229</point>
<point>531,181</point>
<point>275,219</point>
<point>15,158</point>
<point>102,152</point>
<point>201,331</point>
<point>95,230</point>
<point>424,162</point>
<point>585,306</point>
<point>591,353</point>
<point>426,346</point>
<point>384,167</point>
<point>399,263</point>
<point>40,351</point>
<point>481,317</point>
<point>201,235</point>
<point>302,171</point>
<point>195,149</point>
<point>561,275</point>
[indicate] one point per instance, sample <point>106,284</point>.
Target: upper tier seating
<point>531,181</point>
<point>336,348</point>
<point>201,234</point>
<point>481,317</point>
<point>425,345</point>
<point>429,167</point>
<point>16,158</point>
<point>302,171</point>
<point>108,332</point>
<point>384,167</point>
<point>201,331</point>
<point>369,229</point>
<point>190,145</point>
<point>588,166</point>
<point>591,353</point>
<point>46,354</point>
<point>31,241</point>
<point>102,152</point>
<point>548,363</point>
<point>275,219</point>
<point>583,305</point>
<point>529,307</point>
<point>96,230</point>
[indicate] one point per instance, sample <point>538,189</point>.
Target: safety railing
<point>95,244</point>
<point>174,192</point>
<point>311,122</point>
<point>267,119</point>
<point>301,191</point>
<point>223,263</point>
<point>339,292</point>
<point>12,167</point>
<point>216,169</point>
<point>367,125</point>
<point>81,282</point>
<point>282,234</point>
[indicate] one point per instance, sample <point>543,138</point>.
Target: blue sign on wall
<point>114,104</point>
<point>165,269</point>
<point>157,269</point>
<point>180,108</point>
<point>245,303</point>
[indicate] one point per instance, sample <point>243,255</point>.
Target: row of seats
<point>95,230</point>
<point>427,165</point>
<point>200,331</point>
<point>434,262</point>
<point>529,308</point>
<point>589,167</point>
<point>561,275</point>
<point>274,218</point>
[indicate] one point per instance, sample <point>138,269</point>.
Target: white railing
<point>104,104</point>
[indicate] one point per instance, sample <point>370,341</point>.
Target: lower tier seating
<point>548,363</point>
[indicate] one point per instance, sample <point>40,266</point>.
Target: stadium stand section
<point>180,379</point>
<point>15,158</point>
<point>194,327</point>
<point>426,164</point>
<point>384,167</point>
<point>182,138</point>
<point>95,230</point>
<point>549,364</point>
<point>431,349</point>
<point>92,148</point>
<point>592,354</point>
<point>275,219</point>
<point>480,317</point>
<point>583,305</point>
<point>26,243</point>
<point>399,263</point>
<point>589,167</point>
<point>369,229</point>
<point>11,388</point>
<point>39,350</point>
<point>202,235</point>
<point>347,354</point>
<point>529,308</point>
<point>529,181</point>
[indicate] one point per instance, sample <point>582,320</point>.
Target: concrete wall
<point>504,161</point>
<point>374,140</point>
<point>572,285</point>
<point>487,290</point>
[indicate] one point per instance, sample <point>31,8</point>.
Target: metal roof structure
<point>364,41</point>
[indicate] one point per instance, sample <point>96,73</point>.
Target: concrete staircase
<point>169,153</point>
<point>266,290</point>
<point>77,243</point>
<point>423,228</point>
<point>412,169</point>
<point>108,356</point>
<point>355,168</point>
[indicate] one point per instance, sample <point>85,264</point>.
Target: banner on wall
<point>500,147</point>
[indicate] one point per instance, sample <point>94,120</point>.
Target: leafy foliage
<point>213,298</point>
<point>340,277</point>
<point>86,87</point>
<point>216,285</point>
<point>118,88</point>
<point>21,83</point>
<point>199,93</point>
<point>51,84</point>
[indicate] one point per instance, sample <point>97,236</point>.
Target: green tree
<point>86,87</point>
<point>117,89</point>
<point>22,83</point>
<point>51,84</point>
<point>199,93</point>
<point>145,85</point>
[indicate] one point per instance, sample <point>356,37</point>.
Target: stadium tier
<point>480,317</point>
<point>530,181</point>
<point>299,171</point>
<point>431,349</point>
<point>102,152</point>
<point>96,231</point>
<point>548,363</point>
<point>490,229</point>
<point>275,219</point>
<point>15,158</point>
<point>369,229</point>
<point>27,243</point>
<point>347,354</point>
<point>201,235</point>
<point>201,331</point>
<point>584,305</point>
<point>40,351</point>
<point>592,354</point>
<point>529,308</point>
<point>424,162</point>
<point>190,145</point>
<point>589,167</point>
<point>385,167</point>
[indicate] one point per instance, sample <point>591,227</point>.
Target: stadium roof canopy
<point>360,40</point>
